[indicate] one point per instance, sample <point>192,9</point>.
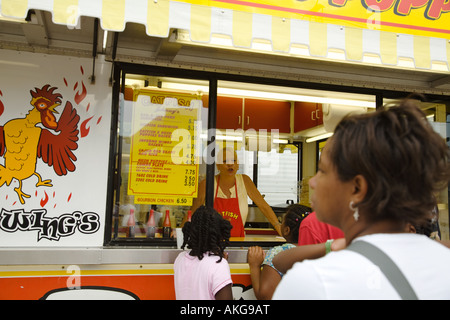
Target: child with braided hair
<point>265,277</point>
<point>202,273</point>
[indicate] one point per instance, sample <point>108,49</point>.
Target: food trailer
<point>111,113</point>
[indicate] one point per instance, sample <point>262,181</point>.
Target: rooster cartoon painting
<point>22,141</point>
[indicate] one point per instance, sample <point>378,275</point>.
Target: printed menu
<point>164,156</point>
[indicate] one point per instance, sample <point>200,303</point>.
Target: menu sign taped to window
<point>163,163</point>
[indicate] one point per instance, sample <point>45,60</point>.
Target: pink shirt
<point>200,279</point>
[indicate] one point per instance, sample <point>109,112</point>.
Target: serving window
<point>168,138</point>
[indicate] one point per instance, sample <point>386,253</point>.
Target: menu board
<point>164,155</point>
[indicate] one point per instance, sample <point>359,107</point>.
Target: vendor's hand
<point>255,256</point>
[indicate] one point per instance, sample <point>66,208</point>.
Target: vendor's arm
<point>258,199</point>
<point>284,260</point>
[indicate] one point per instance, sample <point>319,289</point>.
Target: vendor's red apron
<point>229,209</point>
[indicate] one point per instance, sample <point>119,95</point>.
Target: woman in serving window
<point>230,194</point>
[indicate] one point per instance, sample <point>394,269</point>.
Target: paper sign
<point>163,161</point>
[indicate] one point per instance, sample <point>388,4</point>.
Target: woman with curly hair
<point>378,174</point>
<point>202,273</point>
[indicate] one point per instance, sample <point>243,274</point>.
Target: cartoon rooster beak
<point>48,119</point>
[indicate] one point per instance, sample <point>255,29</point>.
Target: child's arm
<point>270,279</point>
<point>286,259</point>
<point>226,293</point>
<point>255,257</point>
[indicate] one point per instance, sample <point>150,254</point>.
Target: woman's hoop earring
<point>355,211</point>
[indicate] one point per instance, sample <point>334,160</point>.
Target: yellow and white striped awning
<point>253,28</point>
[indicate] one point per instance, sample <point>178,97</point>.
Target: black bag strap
<point>387,266</point>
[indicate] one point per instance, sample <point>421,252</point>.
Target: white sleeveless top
<point>242,195</point>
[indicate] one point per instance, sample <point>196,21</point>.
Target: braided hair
<point>208,232</point>
<point>294,216</point>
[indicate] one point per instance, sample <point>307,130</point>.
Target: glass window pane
<point>159,143</point>
<point>278,175</point>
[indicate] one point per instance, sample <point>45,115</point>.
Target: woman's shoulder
<point>242,176</point>
<point>245,179</point>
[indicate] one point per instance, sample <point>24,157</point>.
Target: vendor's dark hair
<point>404,161</point>
<point>294,216</point>
<point>207,231</point>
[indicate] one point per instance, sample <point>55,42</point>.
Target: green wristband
<point>328,246</point>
